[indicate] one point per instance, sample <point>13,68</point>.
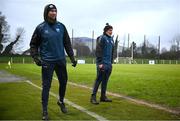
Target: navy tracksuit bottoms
<point>102,78</point>
<point>48,69</point>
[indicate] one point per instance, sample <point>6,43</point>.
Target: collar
<point>107,35</point>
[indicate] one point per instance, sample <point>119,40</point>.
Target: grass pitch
<point>154,83</point>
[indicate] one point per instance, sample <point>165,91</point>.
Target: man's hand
<point>101,66</point>
<point>37,61</point>
<point>74,63</point>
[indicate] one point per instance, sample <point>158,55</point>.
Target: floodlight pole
<point>128,39</point>
<point>132,51</point>
<point>159,42</point>
<point>117,61</point>
<point>92,41</point>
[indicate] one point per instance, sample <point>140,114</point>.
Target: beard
<point>51,20</point>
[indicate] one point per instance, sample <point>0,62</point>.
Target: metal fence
<point>147,61</point>
<point>88,60</point>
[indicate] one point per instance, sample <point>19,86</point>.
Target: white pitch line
<point>137,101</point>
<point>96,116</point>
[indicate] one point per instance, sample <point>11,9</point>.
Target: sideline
<point>96,116</point>
<point>137,101</point>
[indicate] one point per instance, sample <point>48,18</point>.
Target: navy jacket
<point>104,50</point>
<point>50,40</point>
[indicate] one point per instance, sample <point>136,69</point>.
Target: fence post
<point>23,60</point>
<point>11,60</point>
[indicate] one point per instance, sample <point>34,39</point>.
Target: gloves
<point>73,61</point>
<point>37,61</point>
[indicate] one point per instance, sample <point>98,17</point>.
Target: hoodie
<point>49,40</point>
<point>48,8</point>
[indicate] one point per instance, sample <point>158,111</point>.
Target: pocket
<point>45,64</point>
<point>106,67</point>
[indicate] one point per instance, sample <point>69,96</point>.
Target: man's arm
<point>99,51</point>
<point>99,47</point>
<point>114,51</point>
<point>34,45</point>
<point>68,47</point>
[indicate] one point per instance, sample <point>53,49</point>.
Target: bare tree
<point>19,38</point>
<point>20,43</point>
<point>4,29</point>
<point>163,50</point>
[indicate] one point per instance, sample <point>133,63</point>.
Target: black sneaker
<point>62,106</point>
<point>45,116</point>
<point>105,99</point>
<point>93,100</point>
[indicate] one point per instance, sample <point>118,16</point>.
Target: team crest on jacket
<point>57,29</point>
<point>46,31</point>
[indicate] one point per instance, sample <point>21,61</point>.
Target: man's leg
<point>105,79</point>
<point>96,86</point>
<point>97,81</point>
<point>47,73</point>
<point>61,73</point>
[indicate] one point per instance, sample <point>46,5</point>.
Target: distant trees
<point>11,44</point>
<point>134,49</point>
<point>18,40</point>
<point>147,50</point>
<point>82,49</point>
<point>174,52</point>
<point>4,31</point>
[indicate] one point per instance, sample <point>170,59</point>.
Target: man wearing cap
<point>104,58</point>
<point>49,40</point>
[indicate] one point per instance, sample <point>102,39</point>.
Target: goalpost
<point>125,60</point>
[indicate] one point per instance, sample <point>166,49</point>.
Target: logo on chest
<point>110,41</point>
<point>46,31</point>
<point>57,30</point>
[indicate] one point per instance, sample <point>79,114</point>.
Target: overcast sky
<point>137,17</point>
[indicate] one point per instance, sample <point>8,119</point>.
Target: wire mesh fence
<point>89,60</point>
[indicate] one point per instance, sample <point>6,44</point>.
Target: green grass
<point>119,109</point>
<point>156,83</point>
<point>21,101</point>
<point>153,83</point>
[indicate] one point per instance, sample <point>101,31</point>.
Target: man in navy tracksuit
<point>49,40</point>
<point>104,57</point>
